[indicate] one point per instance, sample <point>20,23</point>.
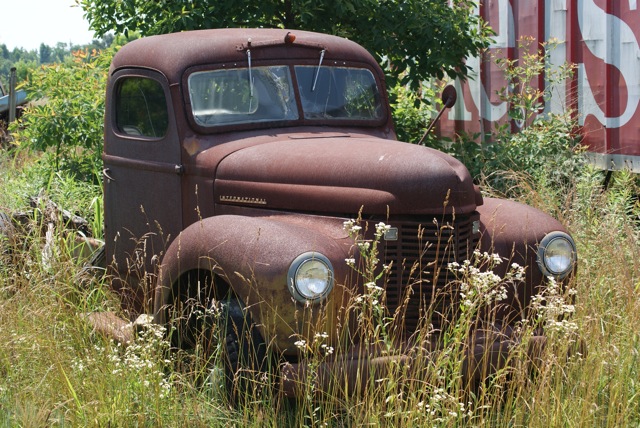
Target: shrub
<point>66,113</point>
<point>546,150</point>
<point>412,112</point>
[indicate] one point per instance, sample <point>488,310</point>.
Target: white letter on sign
<point>505,38</point>
<point>612,40</point>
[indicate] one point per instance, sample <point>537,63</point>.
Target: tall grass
<point>55,371</point>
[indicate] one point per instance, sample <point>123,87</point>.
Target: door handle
<point>105,173</point>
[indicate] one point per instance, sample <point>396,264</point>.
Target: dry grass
<point>54,371</point>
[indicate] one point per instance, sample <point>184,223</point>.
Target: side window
<point>141,107</point>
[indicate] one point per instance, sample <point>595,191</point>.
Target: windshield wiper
<point>250,75</point>
<point>315,79</point>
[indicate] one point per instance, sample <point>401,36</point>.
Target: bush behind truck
<point>233,160</point>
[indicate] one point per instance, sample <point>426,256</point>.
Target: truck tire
<point>244,355</point>
<point>230,346</point>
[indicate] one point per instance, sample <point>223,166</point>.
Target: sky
<point>28,23</point>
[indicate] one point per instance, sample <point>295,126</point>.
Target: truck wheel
<point>244,355</point>
<point>230,345</point>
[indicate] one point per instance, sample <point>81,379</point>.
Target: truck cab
<point>233,160</point>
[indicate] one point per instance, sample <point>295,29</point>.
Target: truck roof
<point>172,54</point>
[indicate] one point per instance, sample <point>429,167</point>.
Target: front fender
<point>252,255</point>
<point>514,231</point>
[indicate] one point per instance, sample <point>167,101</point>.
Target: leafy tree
<point>70,121</point>
<point>21,59</point>
<point>45,53</point>
<point>103,43</point>
<point>27,61</point>
<point>59,52</point>
<point>415,39</point>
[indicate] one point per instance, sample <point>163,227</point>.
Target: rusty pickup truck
<point>233,159</point>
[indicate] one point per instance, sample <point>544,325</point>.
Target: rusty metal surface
<point>172,54</point>
<point>253,255</point>
<point>178,55</point>
<point>242,202</point>
<point>343,174</point>
<point>419,261</point>
<point>513,230</point>
<point>155,187</point>
<point>602,38</point>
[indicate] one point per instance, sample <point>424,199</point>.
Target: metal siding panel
<point>600,36</point>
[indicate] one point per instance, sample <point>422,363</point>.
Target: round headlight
<point>310,277</point>
<point>557,255</point>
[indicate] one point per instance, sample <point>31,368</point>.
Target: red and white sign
<point>600,37</point>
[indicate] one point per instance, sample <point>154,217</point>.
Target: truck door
<point>142,167</point>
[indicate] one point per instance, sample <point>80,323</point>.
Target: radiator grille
<point>418,260</point>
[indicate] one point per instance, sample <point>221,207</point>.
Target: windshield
<point>266,94</point>
<point>338,93</point>
<point>223,97</point>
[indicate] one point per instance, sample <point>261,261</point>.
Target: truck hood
<point>343,174</point>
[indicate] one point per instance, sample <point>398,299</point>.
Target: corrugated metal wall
<point>601,37</point>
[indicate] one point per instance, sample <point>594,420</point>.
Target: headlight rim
<point>293,270</point>
<point>544,244</point>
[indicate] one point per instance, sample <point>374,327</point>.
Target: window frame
<point>382,121</point>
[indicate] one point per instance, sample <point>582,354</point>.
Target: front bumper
<point>488,351</point>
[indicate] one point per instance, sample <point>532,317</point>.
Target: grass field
<point>54,371</point>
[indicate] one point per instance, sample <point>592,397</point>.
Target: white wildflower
<point>347,225</point>
<point>364,245</point>
<point>328,350</point>
<point>381,229</point>
<point>372,287</point>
